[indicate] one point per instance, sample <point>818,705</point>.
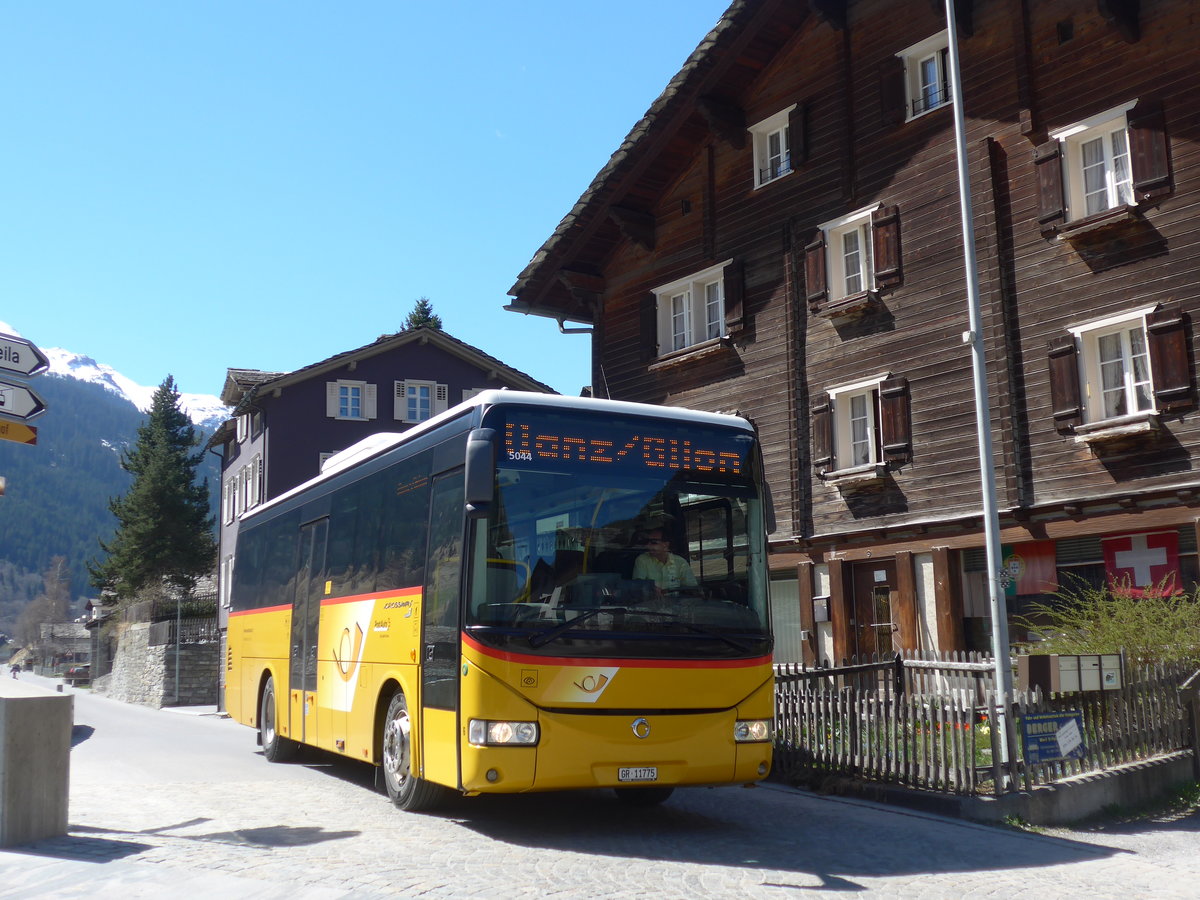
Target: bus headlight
<point>485,733</point>
<point>749,731</point>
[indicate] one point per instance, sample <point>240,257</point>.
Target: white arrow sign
<point>19,402</point>
<point>21,356</point>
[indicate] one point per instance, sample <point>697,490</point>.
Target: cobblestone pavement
<point>320,829</point>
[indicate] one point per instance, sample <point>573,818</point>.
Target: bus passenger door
<point>306,617</point>
<point>440,635</point>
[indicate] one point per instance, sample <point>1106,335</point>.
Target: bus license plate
<point>644,773</point>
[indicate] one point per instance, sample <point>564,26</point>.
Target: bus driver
<point>658,564</point>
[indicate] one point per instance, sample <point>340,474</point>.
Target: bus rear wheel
<point>647,796</point>
<point>275,747</point>
<point>406,790</point>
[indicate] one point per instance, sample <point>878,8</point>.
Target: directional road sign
<point>21,356</point>
<point>19,402</point>
<point>15,431</point>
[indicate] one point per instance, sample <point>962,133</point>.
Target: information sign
<point>19,402</point>
<point>1051,736</point>
<point>20,356</point>
<point>16,431</point>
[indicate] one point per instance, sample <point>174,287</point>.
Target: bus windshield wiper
<point>695,629</point>
<point>544,637</point>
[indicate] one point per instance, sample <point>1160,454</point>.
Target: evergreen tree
<point>164,531</point>
<point>423,314</point>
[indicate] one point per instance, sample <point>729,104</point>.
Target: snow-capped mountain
<point>204,410</point>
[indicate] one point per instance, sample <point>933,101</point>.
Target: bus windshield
<point>621,538</point>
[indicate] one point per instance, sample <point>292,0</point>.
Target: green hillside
<point>56,502</point>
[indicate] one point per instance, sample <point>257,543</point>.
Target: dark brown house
<point>780,235</point>
<point>283,426</point>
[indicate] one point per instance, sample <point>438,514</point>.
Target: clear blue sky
<point>189,186</point>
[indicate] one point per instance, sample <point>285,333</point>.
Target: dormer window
<point>772,140</point>
<point>926,75</point>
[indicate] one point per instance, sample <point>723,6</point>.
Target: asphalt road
<point>167,803</point>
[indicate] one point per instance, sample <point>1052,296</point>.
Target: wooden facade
<point>886,533</point>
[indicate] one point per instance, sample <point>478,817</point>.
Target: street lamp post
<point>974,337</point>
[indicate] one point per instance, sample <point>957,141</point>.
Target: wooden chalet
<point>284,425</point>
<point>780,235</point>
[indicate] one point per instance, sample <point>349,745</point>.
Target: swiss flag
<point>1143,564</point>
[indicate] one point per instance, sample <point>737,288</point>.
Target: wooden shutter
<point>649,322</point>
<point>1166,333</point>
<point>1052,209</point>
<point>400,402</point>
<point>895,420</point>
<point>331,399</point>
<point>735,288</point>
<point>441,398</point>
<point>885,243</point>
<point>1064,383</point>
<point>822,433</point>
<point>893,91</point>
<point>1149,159</point>
<point>369,401</point>
<point>798,135</point>
<point>815,286</point>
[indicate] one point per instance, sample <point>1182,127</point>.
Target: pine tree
<point>164,531</point>
<point>423,314</point>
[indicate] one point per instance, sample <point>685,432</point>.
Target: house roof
<point>243,385</point>
<point>646,137</point>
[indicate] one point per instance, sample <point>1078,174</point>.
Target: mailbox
<point>1066,674</point>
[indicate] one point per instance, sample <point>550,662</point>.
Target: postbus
<point>462,605</point>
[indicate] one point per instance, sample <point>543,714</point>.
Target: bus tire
<point>647,796</point>
<point>276,748</point>
<point>406,790</point>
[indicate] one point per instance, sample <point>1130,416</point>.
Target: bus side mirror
<point>480,472</point>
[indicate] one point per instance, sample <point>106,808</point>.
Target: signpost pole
<point>974,337</point>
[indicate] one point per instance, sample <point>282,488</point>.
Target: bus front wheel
<point>275,747</point>
<point>405,789</point>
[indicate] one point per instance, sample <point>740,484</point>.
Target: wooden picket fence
<point>937,723</point>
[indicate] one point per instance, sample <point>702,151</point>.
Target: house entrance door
<point>874,590</point>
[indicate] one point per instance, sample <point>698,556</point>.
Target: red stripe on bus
<point>261,609</point>
<point>622,663</point>
<point>402,592</point>
<point>354,598</point>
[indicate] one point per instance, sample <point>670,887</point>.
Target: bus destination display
<point>636,445</point>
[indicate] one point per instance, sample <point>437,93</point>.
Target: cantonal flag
<point>1142,563</point>
<point>1031,568</point>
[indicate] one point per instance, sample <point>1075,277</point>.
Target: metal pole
<point>178,640</point>
<point>974,337</point>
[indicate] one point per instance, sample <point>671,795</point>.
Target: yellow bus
<point>526,593</point>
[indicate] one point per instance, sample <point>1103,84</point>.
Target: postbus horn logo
<point>347,663</point>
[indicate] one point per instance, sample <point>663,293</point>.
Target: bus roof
<point>375,444</point>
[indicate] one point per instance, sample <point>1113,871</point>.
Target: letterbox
<point>1066,674</point>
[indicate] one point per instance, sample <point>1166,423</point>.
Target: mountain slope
<point>56,502</point>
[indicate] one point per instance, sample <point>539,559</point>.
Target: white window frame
<point>769,166</point>
<point>843,400</point>
<point>917,91</point>
<point>837,277</point>
<point>1116,189</point>
<point>1092,373</point>
<point>691,310</point>
<point>439,395</point>
<point>335,409</point>
<point>254,482</point>
<point>242,424</point>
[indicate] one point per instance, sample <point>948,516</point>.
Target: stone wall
<point>144,673</point>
